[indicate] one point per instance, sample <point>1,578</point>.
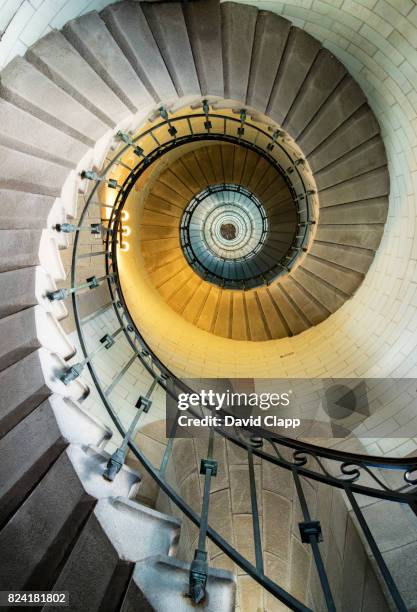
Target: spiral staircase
<point>217,160</point>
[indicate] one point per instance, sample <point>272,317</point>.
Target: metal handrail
<point>351,465</point>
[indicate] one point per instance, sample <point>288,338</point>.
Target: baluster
<point>199,566</point>
<point>277,134</point>
<point>310,532</point>
<point>91,283</point>
<point>93,176</point>
<point>138,151</point>
<point>255,516</point>
<point>241,128</point>
<point>207,122</point>
<point>171,129</point>
<point>117,460</point>
<point>74,371</point>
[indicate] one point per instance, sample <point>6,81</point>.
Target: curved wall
<point>23,22</point>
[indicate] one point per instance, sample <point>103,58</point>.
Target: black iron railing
<point>350,473</point>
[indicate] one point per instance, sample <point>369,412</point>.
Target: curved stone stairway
<point>61,106</point>
<point>344,245</point>
<point>200,302</point>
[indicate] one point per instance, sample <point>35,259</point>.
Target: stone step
<point>194,183</point>
<point>24,331</point>
<point>203,161</point>
<point>341,277</point>
<point>373,184</point>
<point>151,217</point>
<point>93,574</point>
<point>299,55</point>
<point>368,156</point>
<point>77,425</point>
<point>308,307</point>
<point>39,536</point>
<point>23,172</point>
<point>339,106</point>
<point>188,300</point>
<point>164,581</point>
<point>137,531</point>
<point>362,236</point>
<point>215,155</point>
<point>277,189</point>
<point>169,271</point>
<point>158,204</point>
<point>204,30</point>
<point>27,451</point>
<point>19,337</point>
<point>258,327</point>
<point>324,76</point>
<point>23,389</point>
<point>92,39</point>
<point>239,327</point>
<point>267,181</point>
<point>355,258</point>
<point>19,249</point>
<point>322,292</point>
<point>168,194</point>
<point>21,210</point>
<point>17,288</point>
<point>357,129</point>
<point>374,210</point>
<point>238,30</point>
<point>291,313</point>
<point>169,29</point>
<point>26,87</point>
<point>272,315</point>
<point>261,168</point>
<point>55,57</point>
<point>129,27</point>
<point>90,463</point>
<point>268,46</point>
<point>22,131</point>
<point>170,178</point>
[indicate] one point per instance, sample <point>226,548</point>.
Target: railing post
<point>207,122</point>
<point>241,128</point>
<point>93,176</point>
<point>255,516</point>
<point>117,460</point>
<point>310,532</point>
<point>74,371</point>
<point>199,566</point>
<point>172,131</point>
<point>138,151</point>
<point>91,283</point>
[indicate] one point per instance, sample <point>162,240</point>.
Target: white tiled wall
<point>23,22</point>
